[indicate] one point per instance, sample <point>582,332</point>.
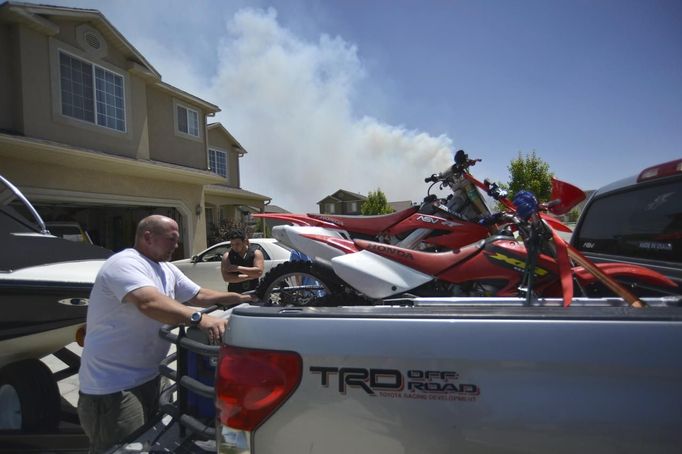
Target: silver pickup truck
<point>446,375</point>
<point>443,376</point>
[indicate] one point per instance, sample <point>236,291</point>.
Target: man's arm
<point>233,273</point>
<point>207,297</point>
<point>158,306</point>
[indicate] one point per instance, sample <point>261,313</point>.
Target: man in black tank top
<point>243,264</point>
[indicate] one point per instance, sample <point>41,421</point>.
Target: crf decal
<point>517,264</point>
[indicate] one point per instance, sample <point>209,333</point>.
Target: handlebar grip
<point>432,179</point>
<point>430,198</point>
<point>491,219</point>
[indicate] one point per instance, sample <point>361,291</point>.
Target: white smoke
<point>289,103</point>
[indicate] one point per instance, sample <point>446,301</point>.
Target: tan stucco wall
<point>218,140</point>
<point>150,111</point>
<point>99,186</point>
<point>10,82</point>
<point>41,97</point>
<point>167,145</point>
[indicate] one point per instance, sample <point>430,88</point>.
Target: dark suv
<point>636,220</point>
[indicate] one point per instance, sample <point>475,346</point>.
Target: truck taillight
<point>662,170</point>
<point>251,384</point>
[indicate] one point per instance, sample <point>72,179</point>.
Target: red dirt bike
<point>436,224</point>
<point>526,257</point>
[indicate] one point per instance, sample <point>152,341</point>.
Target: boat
<point>45,281</point>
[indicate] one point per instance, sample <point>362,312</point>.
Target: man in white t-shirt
<point>137,291</point>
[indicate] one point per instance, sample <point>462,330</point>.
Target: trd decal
<point>412,384</point>
<point>515,263</point>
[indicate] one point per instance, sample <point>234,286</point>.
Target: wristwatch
<point>195,318</point>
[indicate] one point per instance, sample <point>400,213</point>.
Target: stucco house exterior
<point>91,133</point>
<point>342,202</point>
<point>347,202</point>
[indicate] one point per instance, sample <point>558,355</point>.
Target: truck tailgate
<point>440,380</point>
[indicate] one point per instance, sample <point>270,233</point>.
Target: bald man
<point>137,291</point>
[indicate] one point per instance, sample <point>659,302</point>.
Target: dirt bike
<point>436,224</point>
<point>526,257</point>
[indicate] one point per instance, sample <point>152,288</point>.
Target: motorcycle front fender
<point>626,270</point>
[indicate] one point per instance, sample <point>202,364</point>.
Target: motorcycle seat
<point>432,263</point>
<point>369,225</point>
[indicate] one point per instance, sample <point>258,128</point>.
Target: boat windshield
<point>17,212</point>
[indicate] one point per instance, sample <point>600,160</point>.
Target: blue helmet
<point>526,204</point>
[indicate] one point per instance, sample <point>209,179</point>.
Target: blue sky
<point>367,94</point>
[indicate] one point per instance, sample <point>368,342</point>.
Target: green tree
<point>376,203</point>
<point>532,174</point>
<point>573,216</point>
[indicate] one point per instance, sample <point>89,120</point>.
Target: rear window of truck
<point>643,223</point>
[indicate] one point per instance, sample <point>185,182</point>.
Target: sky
<point>378,94</point>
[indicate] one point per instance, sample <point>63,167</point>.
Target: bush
<point>216,233</point>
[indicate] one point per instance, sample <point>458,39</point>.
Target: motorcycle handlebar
<point>462,162</point>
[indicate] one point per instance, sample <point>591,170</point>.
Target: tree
<point>573,216</point>
<point>376,203</point>
<point>530,173</point>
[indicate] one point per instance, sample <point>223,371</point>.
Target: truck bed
<point>442,377</point>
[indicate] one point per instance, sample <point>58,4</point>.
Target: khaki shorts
<point>109,419</point>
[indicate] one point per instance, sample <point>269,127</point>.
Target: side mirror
<point>195,259</point>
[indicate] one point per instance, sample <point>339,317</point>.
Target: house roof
<point>275,209</point>
<point>343,196</point>
<point>221,190</point>
<point>219,126</point>
<point>37,17</point>
<point>207,106</point>
<point>50,152</point>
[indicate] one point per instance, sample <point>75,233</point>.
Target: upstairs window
<point>91,93</point>
<point>188,121</point>
<point>217,162</point>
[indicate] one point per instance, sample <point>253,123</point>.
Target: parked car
<point>71,231</point>
<point>204,268</point>
<point>636,220</point>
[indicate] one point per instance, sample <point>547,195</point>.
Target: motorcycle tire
<point>298,284</point>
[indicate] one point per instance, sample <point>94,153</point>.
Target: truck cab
<point>636,220</point>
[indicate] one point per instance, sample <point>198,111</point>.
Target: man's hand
<point>230,268</point>
<point>214,328</point>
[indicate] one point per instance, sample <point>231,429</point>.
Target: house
<point>400,205</point>
<point>270,223</point>
<point>91,133</point>
<point>346,202</point>
<point>342,202</point>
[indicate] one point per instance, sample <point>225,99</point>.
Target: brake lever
<point>494,190</point>
<point>547,205</point>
